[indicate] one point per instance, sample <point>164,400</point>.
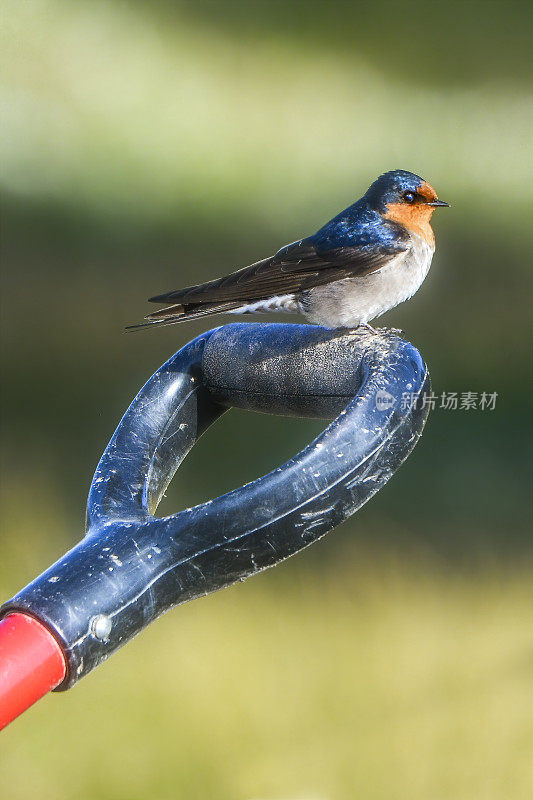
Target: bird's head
<point>407,199</point>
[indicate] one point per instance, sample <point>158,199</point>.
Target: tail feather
<point>171,315</point>
<point>176,310</point>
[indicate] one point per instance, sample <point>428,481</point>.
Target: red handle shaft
<point>31,664</point>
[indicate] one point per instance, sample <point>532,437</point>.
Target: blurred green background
<point>150,145</point>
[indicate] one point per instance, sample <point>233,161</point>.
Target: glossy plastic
<point>31,664</point>
<point>132,566</point>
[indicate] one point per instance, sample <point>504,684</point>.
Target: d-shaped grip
<point>132,566</point>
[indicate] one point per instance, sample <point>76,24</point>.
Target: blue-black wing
<point>295,268</point>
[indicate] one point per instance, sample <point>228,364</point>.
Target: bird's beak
<point>438,203</point>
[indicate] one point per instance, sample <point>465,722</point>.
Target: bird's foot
<point>369,328</point>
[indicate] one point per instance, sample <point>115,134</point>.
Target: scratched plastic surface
<point>131,566</point>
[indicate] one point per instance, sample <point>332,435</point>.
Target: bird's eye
<point>409,197</point>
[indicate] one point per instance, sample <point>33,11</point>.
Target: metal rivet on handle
<point>101,627</point>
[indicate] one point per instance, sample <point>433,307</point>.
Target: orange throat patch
<point>415,218</point>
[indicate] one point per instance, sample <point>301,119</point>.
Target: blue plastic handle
<point>132,566</point>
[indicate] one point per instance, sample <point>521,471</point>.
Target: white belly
<point>353,301</point>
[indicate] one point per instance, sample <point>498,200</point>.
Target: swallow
<point>369,258</point>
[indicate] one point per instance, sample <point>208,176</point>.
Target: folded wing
<point>295,268</point>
